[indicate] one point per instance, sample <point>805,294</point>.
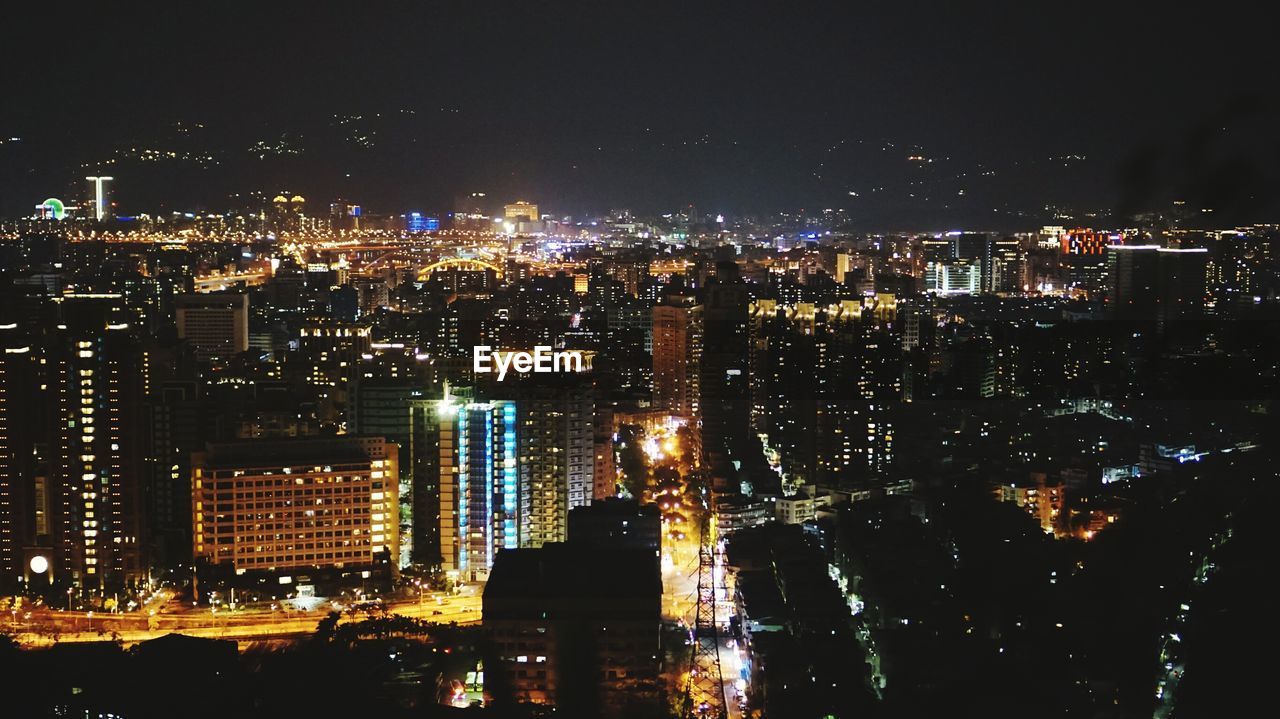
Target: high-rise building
<point>24,481</point>
<point>1152,283</point>
<point>677,356</point>
<point>724,381</point>
<point>180,421</point>
<point>278,512</point>
<point>844,265</point>
<point>95,382</point>
<point>387,408</point>
<point>101,197</point>
<point>953,277</point>
<point>976,248</point>
<point>556,458</point>
<point>432,450</point>
<point>479,486</point>
<point>69,474</point>
<point>520,211</point>
<point>216,325</point>
<point>287,214</point>
<point>333,351</point>
<point>1008,266</point>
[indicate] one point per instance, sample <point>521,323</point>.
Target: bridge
<point>466,264</point>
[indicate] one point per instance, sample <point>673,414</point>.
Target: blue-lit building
<point>418,222</point>
<point>479,487</point>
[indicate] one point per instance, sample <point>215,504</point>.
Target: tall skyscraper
<point>677,356</point>
<point>479,486</point>
<point>24,497</point>
<point>723,384</point>
<point>95,382</point>
<point>101,197</point>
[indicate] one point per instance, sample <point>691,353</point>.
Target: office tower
<point>216,325</point>
<point>344,304</point>
<point>677,356</point>
<point>479,486</point>
<point>976,248</point>
<point>278,512</point>
<point>416,222</point>
<point>933,249</point>
<point>520,211</point>
<point>576,627</point>
<point>723,384</point>
<point>953,277</point>
<point>1008,266</point>
<point>1148,283</point>
<point>101,197</point>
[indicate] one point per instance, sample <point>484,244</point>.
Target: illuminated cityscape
<point>724,362</point>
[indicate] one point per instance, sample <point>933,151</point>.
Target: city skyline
<point>890,114</point>
<point>701,361</point>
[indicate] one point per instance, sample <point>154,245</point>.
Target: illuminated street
<point>247,626</point>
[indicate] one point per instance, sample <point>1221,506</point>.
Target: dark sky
<point>1018,109</point>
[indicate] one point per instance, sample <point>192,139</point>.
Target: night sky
<point>1012,110</point>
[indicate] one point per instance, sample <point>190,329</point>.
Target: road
<point>240,626</point>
